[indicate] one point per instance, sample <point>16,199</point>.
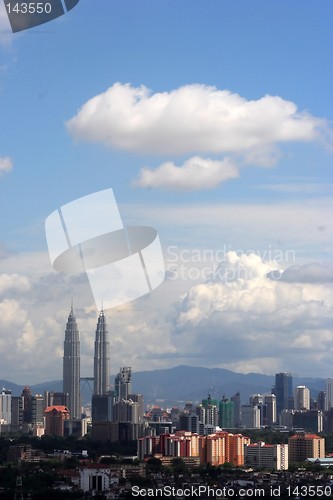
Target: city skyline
<point>213,125</point>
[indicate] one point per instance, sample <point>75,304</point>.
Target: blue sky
<point>274,195</point>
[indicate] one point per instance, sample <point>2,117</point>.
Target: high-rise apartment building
<point>267,456</point>
<point>302,398</point>
<point>216,449</point>
<point>283,391</point>
<point>71,366</point>
<point>101,357</point>
<point>226,414</point>
<point>250,417</point>
<point>55,417</point>
<point>303,446</point>
<point>6,406</point>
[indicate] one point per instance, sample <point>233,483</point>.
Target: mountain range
<point>173,386</point>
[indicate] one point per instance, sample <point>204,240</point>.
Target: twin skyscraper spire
<point>71,362</point>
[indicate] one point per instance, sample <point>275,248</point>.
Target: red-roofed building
<point>303,446</point>
<point>55,417</point>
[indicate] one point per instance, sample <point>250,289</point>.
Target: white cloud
<point>6,165</point>
<point>243,317</point>
<point>13,283</point>
<point>195,173</point>
<point>193,118</point>
<point>242,321</point>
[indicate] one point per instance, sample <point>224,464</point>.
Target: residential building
<point>55,417</point>
<point>302,398</point>
<point>226,414</point>
<point>309,420</point>
<point>303,446</point>
<point>216,448</point>
<point>266,456</point>
<point>250,417</point>
<point>6,406</point>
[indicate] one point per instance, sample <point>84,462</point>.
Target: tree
<point>154,465</point>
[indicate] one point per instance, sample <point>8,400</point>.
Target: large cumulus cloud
<point>190,118</point>
<point>243,315</point>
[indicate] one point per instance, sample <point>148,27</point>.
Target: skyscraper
<point>283,391</point>
<point>71,366</point>
<point>123,384</point>
<point>329,393</point>
<point>270,409</point>
<point>102,357</point>
<point>302,398</point>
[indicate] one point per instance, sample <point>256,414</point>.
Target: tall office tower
<point>102,357</point>
<point>17,413</point>
<point>321,401</point>
<point>270,409</point>
<point>283,391</point>
<point>71,366</point>
<point>26,395</point>
<point>329,393</point>
<point>237,409</point>
<point>302,398</point>
<point>123,384</point>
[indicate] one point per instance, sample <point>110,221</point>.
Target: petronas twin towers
<point>71,362</point>
<point>102,357</point>
<point>71,373</point>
